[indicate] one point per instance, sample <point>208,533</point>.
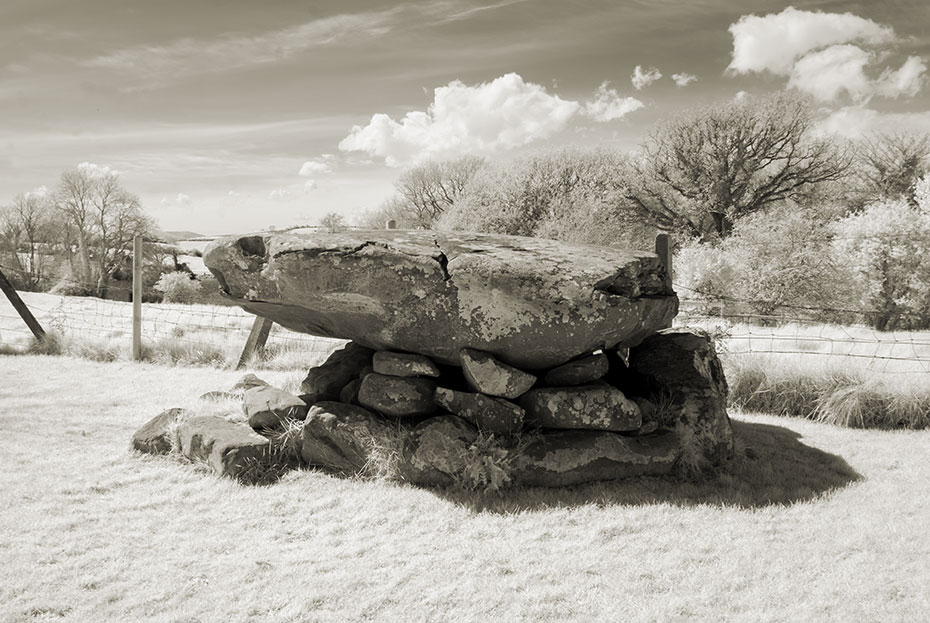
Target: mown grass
<point>810,522</point>
<point>827,390</point>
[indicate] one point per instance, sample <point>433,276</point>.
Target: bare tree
<point>25,227</point>
<point>709,167</point>
<point>428,189</point>
<point>105,218</point>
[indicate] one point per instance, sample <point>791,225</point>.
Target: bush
<point>68,286</point>
<point>178,287</point>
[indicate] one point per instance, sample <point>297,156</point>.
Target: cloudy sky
<point>236,115</point>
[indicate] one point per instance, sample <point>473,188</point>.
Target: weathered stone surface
<point>494,415</point>
<point>403,364</point>
<point>436,450</point>
<point>153,436</point>
<point>591,407</point>
<point>225,446</point>
<point>349,393</point>
<point>683,367</point>
<point>489,376</point>
<point>217,396</point>
<point>267,406</point>
<point>340,436</point>
<point>248,382</point>
<point>397,396</point>
<point>578,371</point>
<point>325,381</point>
<point>532,303</point>
<point>573,457</point>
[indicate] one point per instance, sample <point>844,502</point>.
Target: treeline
<point>770,216</point>
<point>76,238</point>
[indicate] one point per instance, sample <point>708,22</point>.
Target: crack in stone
<point>443,261</point>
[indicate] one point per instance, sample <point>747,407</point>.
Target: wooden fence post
<point>20,307</point>
<point>257,338</point>
<point>664,251</point>
<point>137,298</point>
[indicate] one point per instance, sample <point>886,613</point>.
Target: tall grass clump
<point>819,390</point>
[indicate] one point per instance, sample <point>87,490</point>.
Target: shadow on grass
<point>771,467</point>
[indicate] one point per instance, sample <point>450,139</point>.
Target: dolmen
<point>561,353</point>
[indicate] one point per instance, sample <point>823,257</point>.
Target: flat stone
<point>578,371</point>
<point>339,436</point>
<point>530,302</point>
<point>590,407</point>
<point>575,457</point>
<point>267,406</point>
<point>436,449</point>
<point>153,437</point>
<point>682,366</point>
<point>227,447</point>
<point>325,381</point>
<point>489,376</point>
<point>397,396</point>
<point>403,364</point>
<point>494,415</point>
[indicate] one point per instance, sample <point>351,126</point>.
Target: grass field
<point>811,522</point>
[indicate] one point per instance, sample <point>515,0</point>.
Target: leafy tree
<point>333,222</point>
<point>708,168</point>
<point>890,165</point>
<point>104,217</point>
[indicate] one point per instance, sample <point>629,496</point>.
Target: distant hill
<point>177,236</point>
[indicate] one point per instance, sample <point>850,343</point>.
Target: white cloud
<point>608,105</point>
<point>683,79</point>
<point>183,199</point>
<point>38,193</point>
<point>740,95</point>
<point>312,167</point>
<point>827,73</point>
<point>97,171</point>
<point>907,80</point>
<point>775,41</point>
<point>642,78</point>
<point>857,121</point>
<point>824,54</point>
<point>188,56</point>
<point>502,114</point>
<point>310,185</point>
<point>279,194</point>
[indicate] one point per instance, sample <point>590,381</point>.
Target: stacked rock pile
<point>558,350</point>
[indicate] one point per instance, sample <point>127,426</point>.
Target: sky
<point>232,116</point>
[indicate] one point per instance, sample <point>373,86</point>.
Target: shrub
<point>178,287</point>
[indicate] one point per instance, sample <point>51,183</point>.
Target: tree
<point>709,167</point>
<point>427,190</point>
<point>890,166</point>
<point>333,222</point>
<point>105,218</point>
<point>25,226</point>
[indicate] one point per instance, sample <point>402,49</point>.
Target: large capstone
<point>531,303</point>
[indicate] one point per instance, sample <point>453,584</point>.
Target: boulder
<point>403,364</point>
<point>397,396</point>
<point>494,415</point>
<point>229,448</point>
<point>682,367</point>
<point>248,382</point>
<point>339,436</point>
<point>267,406</point>
<point>591,407</point>
<point>436,449</point>
<point>349,393</point>
<point>574,457</point>
<point>218,396</point>
<point>578,371</point>
<point>489,376</point>
<point>532,303</point>
<point>325,381</point>
<point>154,437</point>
